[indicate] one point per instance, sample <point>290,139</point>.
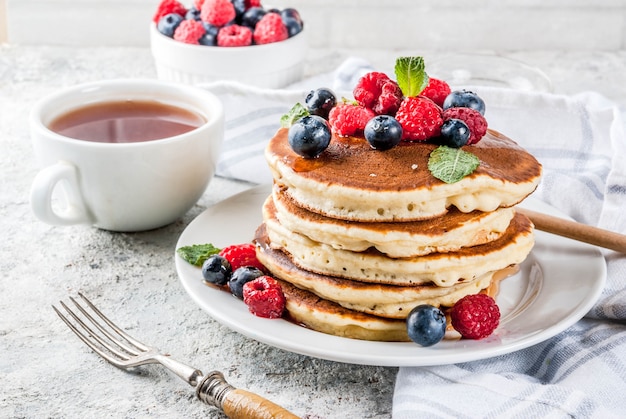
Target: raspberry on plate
<point>217,12</point>
<point>475,316</point>
<point>234,36</point>
<point>436,90</point>
<point>420,118</point>
<point>169,6</point>
<point>189,31</point>
<point>349,119</point>
<point>270,29</point>
<point>240,255</point>
<point>476,123</point>
<point>264,297</point>
<point>379,93</point>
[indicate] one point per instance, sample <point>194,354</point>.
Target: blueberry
<point>242,276</point>
<point>210,36</point>
<point>240,8</point>
<point>252,16</point>
<point>291,13</point>
<point>426,325</point>
<point>309,136</point>
<point>464,99</point>
<point>454,133</point>
<point>383,132</point>
<point>320,102</point>
<point>293,26</point>
<point>216,270</point>
<point>193,14</point>
<point>168,24</point>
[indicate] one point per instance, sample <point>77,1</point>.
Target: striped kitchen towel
<point>580,141</point>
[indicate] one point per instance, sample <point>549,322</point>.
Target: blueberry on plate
<point>168,24</point>
<point>216,270</point>
<point>309,136</point>
<point>464,99</point>
<point>426,325</point>
<point>383,132</point>
<point>320,101</point>
<point>242,276</point>
<point>454,133</point>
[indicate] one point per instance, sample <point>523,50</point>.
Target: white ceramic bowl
<point>272,65</point>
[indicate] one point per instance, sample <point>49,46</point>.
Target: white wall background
<point>504,25</point>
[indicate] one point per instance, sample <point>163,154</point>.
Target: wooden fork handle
<point>236,403</point>
<point>242,404</point>
<point>576,231</point>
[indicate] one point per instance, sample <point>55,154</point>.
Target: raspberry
<point>169,6</point>
<point>420,118</point>
<point>198,4</point>
<point>270,29</point>
<point>349,119</point>
<point>436,90</point>
<point>379,93</point>
<point>189,31</point>
<point>234,36</point>
<point>252,3</point>
<point>476,123</point>
<point>475,316</point>
<point>264,297</point>
<point>217,12</point>
<point>240,255</point>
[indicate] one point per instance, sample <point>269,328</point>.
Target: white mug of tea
<point>124,155</point>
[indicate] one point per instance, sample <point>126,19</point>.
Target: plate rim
<point>329,349</point>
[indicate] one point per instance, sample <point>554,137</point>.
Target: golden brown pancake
<point>390,301</point>
<point>400,239</point>
<point>307,309</point>
<point>442,269</point>
<point>352,181</point>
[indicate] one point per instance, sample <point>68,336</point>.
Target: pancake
<point>400,239</point>
<point>352,181</point>
<point>442,269</point>
<point>324,316</point>
<point>382,300</point>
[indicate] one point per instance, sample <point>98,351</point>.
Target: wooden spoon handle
<point>576,231</point>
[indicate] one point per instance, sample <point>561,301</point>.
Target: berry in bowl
<point>236,40</point>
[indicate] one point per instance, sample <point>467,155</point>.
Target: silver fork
<point>125,352</point>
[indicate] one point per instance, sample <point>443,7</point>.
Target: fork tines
<point>109,341</point>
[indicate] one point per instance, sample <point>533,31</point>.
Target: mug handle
<point>65,175</point>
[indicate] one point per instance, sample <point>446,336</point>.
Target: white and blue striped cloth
<point>580,141</point>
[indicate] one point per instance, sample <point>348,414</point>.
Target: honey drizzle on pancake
<point>404,167</point>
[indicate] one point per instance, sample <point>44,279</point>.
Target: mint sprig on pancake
<point>411,75</point>
<point>450,164</point>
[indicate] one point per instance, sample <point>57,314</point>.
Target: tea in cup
<point>126,155</point>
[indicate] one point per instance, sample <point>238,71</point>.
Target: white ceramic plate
<point>556,286</point>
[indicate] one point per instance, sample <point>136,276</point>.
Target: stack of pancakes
<point>359,237</point>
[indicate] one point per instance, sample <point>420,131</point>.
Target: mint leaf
<point>196,254</point>
<point>296,112</point>
<point>411,75</point>
<point>451,164</point>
